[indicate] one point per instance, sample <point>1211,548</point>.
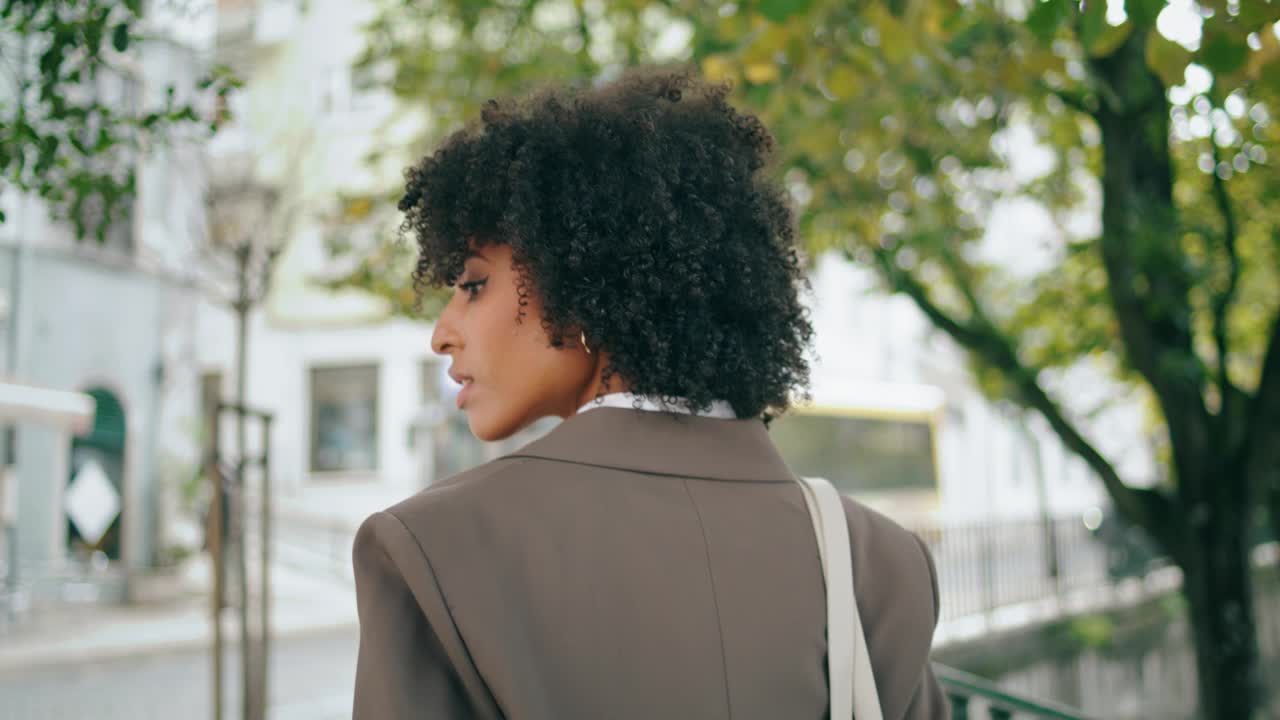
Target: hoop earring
<point>582,336</point>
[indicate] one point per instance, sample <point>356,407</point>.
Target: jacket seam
<point>656,473</point>
<point>448,608</point>
<point>490,469</point>
<point>715,600</point>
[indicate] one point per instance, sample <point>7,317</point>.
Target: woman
<point>619,259</point>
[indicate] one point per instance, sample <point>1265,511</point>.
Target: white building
<point>115,321</point>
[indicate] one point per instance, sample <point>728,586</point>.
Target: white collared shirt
<point>720,409</point>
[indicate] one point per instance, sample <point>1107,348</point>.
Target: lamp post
<point>246,237</point>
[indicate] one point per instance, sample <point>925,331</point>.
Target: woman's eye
<point>472,288</point>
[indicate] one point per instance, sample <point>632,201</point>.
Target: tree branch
<point>1143,506</point>
<point>1222,303</point>
<point>1158,343</point>
<point>1075,102</point>
<point>1263,418</point>
<point>1147,281</point>
<point>952,262</point>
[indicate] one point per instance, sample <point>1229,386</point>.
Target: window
<point>344,419</point>
<point>859,453</point>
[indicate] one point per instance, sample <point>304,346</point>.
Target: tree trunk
<point>1219,590</point>
<point>1150,287</point>
<point>1273,503</point>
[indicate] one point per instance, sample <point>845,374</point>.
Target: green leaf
<point>1167,58</point>
<point>780,10</point>
<point>1046,17</point>
<point>1093,23</point>
<point>1222,50</point>
<point>958,19</point>
<point>897,41</point>
<point>1269,76</point>
<point>843,81</point>
<point>47,154</point>
<point>1256,14</point>
<point>120,37</point>
<point>1143,13</point>
<point>1111,38</point>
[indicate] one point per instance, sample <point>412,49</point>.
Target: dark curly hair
<point>641,214</point>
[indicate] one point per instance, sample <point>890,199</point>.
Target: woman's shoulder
<point>452,494</point>
<point>500,494</point>
<point>449,505</point>
<point>870,525</point>
<point>896,585</point>
<point>893,553</point>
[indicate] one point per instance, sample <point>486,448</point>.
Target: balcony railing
<point>973,698</point>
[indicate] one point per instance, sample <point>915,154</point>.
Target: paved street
<point>312,679</point>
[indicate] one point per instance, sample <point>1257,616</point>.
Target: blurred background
<point>1044,243</point>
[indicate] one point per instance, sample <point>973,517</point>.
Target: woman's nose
<point>445,338</point>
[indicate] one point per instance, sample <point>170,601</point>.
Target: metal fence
<point>989,565</point>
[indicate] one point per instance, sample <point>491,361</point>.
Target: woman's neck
<point>598,387</point>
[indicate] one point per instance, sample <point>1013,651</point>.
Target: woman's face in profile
<point>509,372</point>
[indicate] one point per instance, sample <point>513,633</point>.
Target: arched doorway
<point>95,455</point>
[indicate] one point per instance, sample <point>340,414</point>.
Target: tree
<point>905,124</point>
<point>70,129</point>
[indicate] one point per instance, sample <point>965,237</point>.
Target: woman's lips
<point>464,393</point>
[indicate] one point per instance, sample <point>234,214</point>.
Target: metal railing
<point>970,695</point>
<point>990,565</point>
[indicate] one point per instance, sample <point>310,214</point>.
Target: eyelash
<point>472,288</point>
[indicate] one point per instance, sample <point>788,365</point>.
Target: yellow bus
<point>875,441</point>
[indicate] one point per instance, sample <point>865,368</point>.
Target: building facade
<point>114,321</point>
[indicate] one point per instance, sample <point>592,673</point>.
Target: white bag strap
<point>852,682</point>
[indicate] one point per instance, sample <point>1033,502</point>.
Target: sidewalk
<point>301,604</point>
<point>312,591</point>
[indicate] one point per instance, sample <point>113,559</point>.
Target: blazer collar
<point>665,444</point>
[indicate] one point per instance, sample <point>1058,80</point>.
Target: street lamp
<point>247,231</point>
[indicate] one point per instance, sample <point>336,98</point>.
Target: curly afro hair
<point>641,215</point>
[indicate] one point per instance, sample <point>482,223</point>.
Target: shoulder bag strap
<point>851,680</point>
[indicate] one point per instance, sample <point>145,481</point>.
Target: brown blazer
<point>630,564</point>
